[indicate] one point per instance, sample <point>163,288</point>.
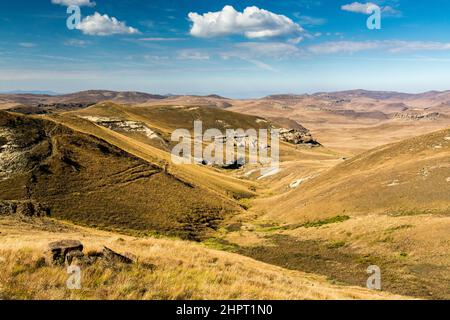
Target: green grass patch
<point>320,223</point>
<point>220,244</point>
<point>337,245</point>
<point>399,228</point>
<point>245,203</point>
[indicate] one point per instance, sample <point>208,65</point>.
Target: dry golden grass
<point>183,270</point>
<point>405,178</point>
<point>211,179</point>
<point>83,179</point>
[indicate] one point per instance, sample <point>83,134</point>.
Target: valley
<point>364,179</point>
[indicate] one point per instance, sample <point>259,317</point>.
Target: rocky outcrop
<point>112,256</point>
<point>70,252</point>
<point>417,116</point>
<point>60,251</point>
<point>23,208</point>
<point>297,137</point>
<point>124,126</point>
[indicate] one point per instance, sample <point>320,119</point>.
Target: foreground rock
<point>59,251</point>
<point>112,256</point>
<point>71,252</point>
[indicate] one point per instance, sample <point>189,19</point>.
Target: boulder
<point>76,257</point>
<point>59,250</point>
<point>115,257</point>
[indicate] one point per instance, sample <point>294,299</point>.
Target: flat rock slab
<point>112,256</point>
<point>60,249</point>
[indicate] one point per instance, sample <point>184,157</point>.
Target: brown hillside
<point>86,180</point>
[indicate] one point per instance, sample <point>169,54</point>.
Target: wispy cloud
<point>367,8</point>
<point>305,20</point>
<point>76,43</point>
<point>192,54</point>
<point>27,44</point>
<point>251,50</point>
<point>261,65</point>
<point>79,3</point>
<point>160,39</point>
<point>392,46</point>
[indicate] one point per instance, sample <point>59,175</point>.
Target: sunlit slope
<point>406,178</point>
<point>181,270</point>
<point>163,121</point>
<point>87,180</point>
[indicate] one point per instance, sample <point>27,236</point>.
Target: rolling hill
<point>409,177</point>
<point>84,179</point>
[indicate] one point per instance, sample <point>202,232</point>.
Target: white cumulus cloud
<point>80,3</point>
<point>252,23</point>
<point>103,25</point>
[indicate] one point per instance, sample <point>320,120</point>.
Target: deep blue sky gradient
<point>38,52</point>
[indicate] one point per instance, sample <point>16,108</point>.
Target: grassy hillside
<point>406,178</point>
<point>389,207</point>
<point>86,180</point>
<point>152,149</point>
<point>182,270</point>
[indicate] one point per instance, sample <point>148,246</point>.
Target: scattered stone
<point>416,115</point>
<point>294,136</point>
<point>76,257</point>
<point>394,183</point>
<point>148,266</point>
<point>448,179</point>
<point>40,263</point>
<point>447,138</point>
<point>95,254</point>
<point>234,227</point>
<point>297,183</point>
<point>112,256</point>
<point>59,250</point>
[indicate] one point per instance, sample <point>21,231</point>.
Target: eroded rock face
<point>297,137</point>
<point>60,250</point>
<point>417,116</point>
<point>124,125</point>
<point>24,208</point>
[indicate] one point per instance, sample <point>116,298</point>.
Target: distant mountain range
<point>135,95</point>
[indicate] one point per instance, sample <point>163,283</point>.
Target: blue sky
<point>240,49</point>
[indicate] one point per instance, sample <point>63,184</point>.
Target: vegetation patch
<point>245,203</point>
<point>320,223</point>
<point>221,244</point>
<point>399,228</point>
<point>409,213</point>
<point>343,265</point>
<point>337,244</point>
